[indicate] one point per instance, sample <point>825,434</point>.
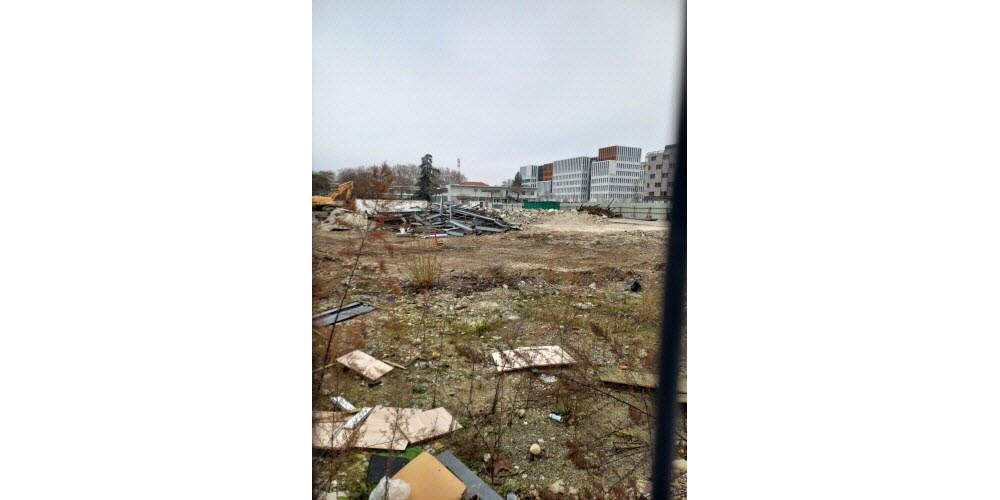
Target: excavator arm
<point>345,191</point>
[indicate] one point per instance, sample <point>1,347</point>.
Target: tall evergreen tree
<point>517,184</point>
<point>427,182</point>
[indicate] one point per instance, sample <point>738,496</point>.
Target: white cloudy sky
<point>498,84</point>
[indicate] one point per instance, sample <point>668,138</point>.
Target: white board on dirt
<point>528,357</point>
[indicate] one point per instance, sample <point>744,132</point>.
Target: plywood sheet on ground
<point>530,357</point>
<point>625,377</point>
<point>423,425</point>
<point>379,431</point>
<point>325,425</point>
<point>429,479</point>
<point>367,366</point>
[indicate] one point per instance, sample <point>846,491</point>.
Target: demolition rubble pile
<point>340,219</point>
<point>599,211</point>
<point>446,220</point>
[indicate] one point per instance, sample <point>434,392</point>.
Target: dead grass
<point>651,308</point>
<point>423,271</point>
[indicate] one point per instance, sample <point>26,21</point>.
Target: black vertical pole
<point>675,288</point>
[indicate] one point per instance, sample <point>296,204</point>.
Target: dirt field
<point>563,280</point>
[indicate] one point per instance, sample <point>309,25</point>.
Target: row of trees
<point>375,180</point>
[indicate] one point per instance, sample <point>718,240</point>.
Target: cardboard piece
<point>378,432</point>
<point>429,424</point>
<point>383,428</point>
<point>325,427</point>
<point>367,366</point>
<point>476,488</point>
<point>529,357</point>
<point>429,479</point>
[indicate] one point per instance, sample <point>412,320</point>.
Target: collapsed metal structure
<point>443,220</point>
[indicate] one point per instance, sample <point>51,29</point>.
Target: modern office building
<point>659,173</point>
<point>530,175</point>
<point>617,174</point>
<point>571,179</point>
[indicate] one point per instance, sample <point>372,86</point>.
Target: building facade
<point>530,175</point>
<point>659,173</point>
<point>617,174</point>
<point>478,191</point>
<point>571,179</point>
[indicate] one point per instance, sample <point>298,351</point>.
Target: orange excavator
<point>344,191</point>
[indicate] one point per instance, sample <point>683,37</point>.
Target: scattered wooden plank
<point>367,366</point>
<point>531,357</point>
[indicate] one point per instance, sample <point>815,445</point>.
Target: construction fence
<point>649,210</point>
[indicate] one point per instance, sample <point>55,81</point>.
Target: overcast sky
<point>498,84</point>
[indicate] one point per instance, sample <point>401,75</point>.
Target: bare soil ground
<point>563,280</point>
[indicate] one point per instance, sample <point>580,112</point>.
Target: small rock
<point>535,450</point>
<point>557,487</point>
<point>504,286</point>
<point>524,476</point>
<point>435,355</point>
<point>593,286</point>
<point>541,441</point>
<point>680,465</point>
<point>486,457</point>
<point>520,412</point>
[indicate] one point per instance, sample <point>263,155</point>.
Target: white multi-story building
<point>545,190</point>
<point>571,179</point>
<point>530,175</point>
<point>617,174</point>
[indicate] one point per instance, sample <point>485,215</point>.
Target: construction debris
<point>599,211</point>
<point>341,219</point>
<point>429,479</point>
<point>475,487</point>
<point>443,220</point>
<point>385,428</point>
<point>369,367</point>
<point>380,466</point>
<point>336,315</point>
<point>625,377</point>
<point>420,426</point>
<point>529,357</point>
<point>343,404</point>
<point>391,489</point>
